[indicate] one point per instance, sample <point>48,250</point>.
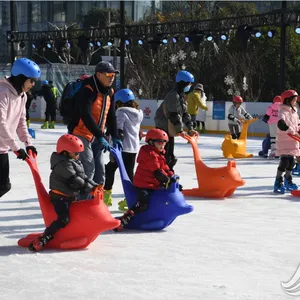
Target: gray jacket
<point>175,111</point>
<point>235,114</point>
<point>68,175</point>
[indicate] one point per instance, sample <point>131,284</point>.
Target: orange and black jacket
<point>95,111</point>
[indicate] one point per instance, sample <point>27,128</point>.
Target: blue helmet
<point>45,82</point>
<point>26,67</point>
<point>184,76</point>
<point>124,95</point>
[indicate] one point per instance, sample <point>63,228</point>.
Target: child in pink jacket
<point>287,148</point>
<point>271,118</point>
<point>13,115</point>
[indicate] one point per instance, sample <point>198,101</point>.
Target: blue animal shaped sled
<point>165,205</point>
<point>266,145</point>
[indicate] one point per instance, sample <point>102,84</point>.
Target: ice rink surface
<point>239,248</point>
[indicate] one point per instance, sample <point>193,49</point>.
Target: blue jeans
<point>92,160</point>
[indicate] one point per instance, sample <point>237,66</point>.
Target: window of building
<point>59,13</point>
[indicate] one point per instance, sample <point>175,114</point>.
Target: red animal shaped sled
<point>88,218</point>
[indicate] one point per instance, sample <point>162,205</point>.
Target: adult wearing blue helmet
<point>24,73</point>
<point>172,114</point>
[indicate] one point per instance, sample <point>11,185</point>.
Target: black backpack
<point>67,106</point>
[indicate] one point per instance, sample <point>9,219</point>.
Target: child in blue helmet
<point>129,118</point>
<point>13,99</point>
<point>172,114</point>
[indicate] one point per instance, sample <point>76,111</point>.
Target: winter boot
<point>278,185</point>
<point>123,205</point>
<point>296,170</point>
<point>289,185</point>
<point>107,197</point>
<point>52,125</point>
<point>125,219</point>
<point>28,123</point>
<point>45,125</point>
<point>40,242</point>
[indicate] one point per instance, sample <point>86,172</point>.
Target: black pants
<point>50,111</point>
<point>5,185</point>
<point>62,208</point>
<point>143,197</point>
<point>28,103</point>
<point>286,163</point>
<point>111,167</point>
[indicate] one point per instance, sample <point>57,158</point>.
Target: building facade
<point>45,15</point>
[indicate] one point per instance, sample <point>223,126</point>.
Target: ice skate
<point>296,170</point>
<point>40,242</point>
<point>52,125</point>
<point>45,125</point>
<point>107,197</point>
<point>123,205</point>
<point>289,185</point>
<point>125,219</point>
<point>272,154</point>
<point>278,186</point>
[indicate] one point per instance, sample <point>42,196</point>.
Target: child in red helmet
<point>286,147</point>
<point>67,179</point>
<point>151,174</point>
<point>271,118</point>
<point>235,113</point>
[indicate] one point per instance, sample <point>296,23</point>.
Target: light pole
<point>282,48</point>
<point>122,45</point>
<point>12,29</point>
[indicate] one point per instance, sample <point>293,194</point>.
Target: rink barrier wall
<point>149,107</point>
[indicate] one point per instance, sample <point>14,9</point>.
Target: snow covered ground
<point>239,248</point>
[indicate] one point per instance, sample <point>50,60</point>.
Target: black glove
<point>121,134</point>
<point>32,148</point>
<point>21,154</point>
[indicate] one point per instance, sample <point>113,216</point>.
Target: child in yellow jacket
<point>194,103</point>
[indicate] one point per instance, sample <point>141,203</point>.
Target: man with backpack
<point>94,110</point>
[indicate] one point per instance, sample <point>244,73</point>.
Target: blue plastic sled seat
<point>165,205</point>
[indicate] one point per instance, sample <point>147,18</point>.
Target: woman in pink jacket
<point>13,98</point>
<point>271,117</point>
<point>287,148</point>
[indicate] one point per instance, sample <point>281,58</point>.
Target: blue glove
<point>117,143</point>
<point>104,145</point>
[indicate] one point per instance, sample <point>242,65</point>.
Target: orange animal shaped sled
<point>237,148</point>
<point>88,218</point>
<point>213,182</point>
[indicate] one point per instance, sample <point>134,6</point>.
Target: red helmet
<point>277,99</point>
<point>156,134</point>
<point>237,99</point>
<point>82,77</point>
<point>69,143</point>
<point>288,94</point>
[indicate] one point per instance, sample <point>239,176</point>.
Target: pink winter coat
<point>272,112</point>
<point>285,145</point>
<point>12,118</point>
